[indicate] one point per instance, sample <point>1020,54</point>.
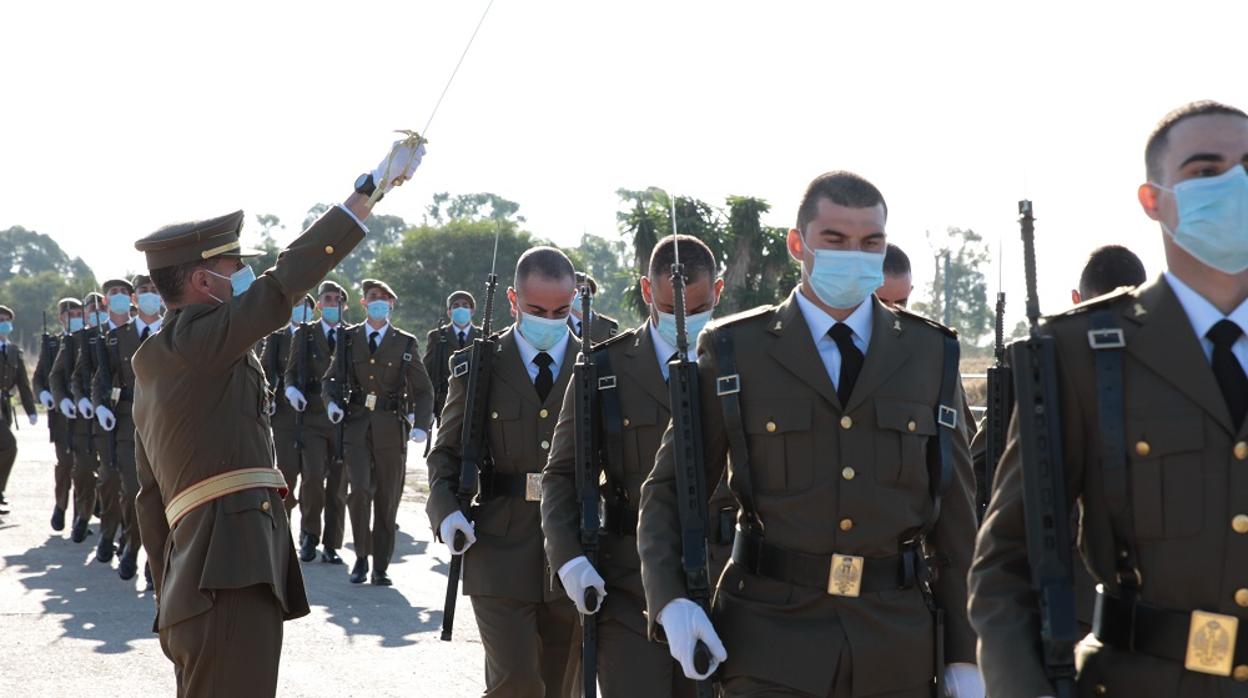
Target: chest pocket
<point>782,445</point>
<point>901,443</point>
<point>642,432</point>
<point>1167,480</point>
<point>506,428</point>
<point>253,390</point>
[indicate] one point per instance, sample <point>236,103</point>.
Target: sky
<point>118,118</point>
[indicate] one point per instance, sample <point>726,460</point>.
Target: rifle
<point>691,491</point>
<point>585,376</point>
<point>67,367</point>
<point>1000,405</point>
<point>440,381</point>
<point>47,354</point>
<point>104,366</point>
<point>342,388</point>
<point>302,377</point>
<point>474,454</point>
<point>1034,363</point>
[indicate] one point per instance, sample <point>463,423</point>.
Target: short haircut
<point>547,262</point>
<point>695,256</point>
<point>1159,138</point>
<point>461,295</point>
<point>896,261</point>
<point>583,278</point>
<point>1108,268</point>
<point>171,281</point>
<point>843,188</point>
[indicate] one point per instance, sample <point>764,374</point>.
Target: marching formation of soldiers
<point>795,500</point>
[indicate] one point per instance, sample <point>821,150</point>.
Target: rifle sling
<point>1107,342</point>
<point>728,387</point>
<point>612,421</point>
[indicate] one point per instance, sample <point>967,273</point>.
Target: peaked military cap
<point>328,286</point>
<point>115,283</point>
<point>374,283</point>
<point>93,297</point>
<point>194,241</point>
<point>140,280</point>
<point>6,310</point>
<point>461,294</point>
<point>67,304</point>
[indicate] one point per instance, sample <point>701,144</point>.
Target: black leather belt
<point>620,519</point>
<point>388,404</point>
<point>127,395</point>
<point>313,389</point>
<point>816,571</point>
<point>519,485</point>
<point>1158,632</point>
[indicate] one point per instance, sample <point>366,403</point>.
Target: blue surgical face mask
<point>240,280</point>
<point>543,333</point>
<point>694,324</point>
<point>1213,219</point>
<point>97,318</point>
<point>76,324</point>
<point>6,328</point>
<point>149,303</point>
<point>844,278</point>
<point>378,310</point>
<point>300,314</point>
<point>119,304</point>
<point>461,316</point>
<point>331,315</point>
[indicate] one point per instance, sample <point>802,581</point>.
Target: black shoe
<point>360,572</point>
<point>331,556</point>
<point>3,501</point>
<point>58,519</point>
<point>80,531</point>
<point>104,551</point>
<point>128,566</point>
<point>381,579</point>
<point>307,549</point>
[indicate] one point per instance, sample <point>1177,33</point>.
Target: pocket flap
<point>1164,434</point>
<point>776,416</point>
<point>505,410</point>
<point>908,417</point>
<point>246,500</point>
<point>644,415</point>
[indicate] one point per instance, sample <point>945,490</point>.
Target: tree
<point>472,207</point>
<point>757,269</point>
<point>608,262</point>
<point>24,252</point>
<point>383,232</point>
<point>268,244</point>
<point>959,263</point>
<point>35,273</point>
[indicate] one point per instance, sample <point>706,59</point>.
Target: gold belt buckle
<point>845,576</point>
<point>370,402</point>
<point>1211,643</point>
<point>532,487</point>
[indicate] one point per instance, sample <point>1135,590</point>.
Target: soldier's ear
<point>1075,297</point>
<point>794,243</point>
<point>1147,194</point>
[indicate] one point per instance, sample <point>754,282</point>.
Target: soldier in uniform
<point>324,486</point>
<point>850,461</point>
<point>628,663</point>
<point>1164,524</point>
<point>447,339</point>
<point>69,315</point>
<point>82,429</point>
<point>527,625</point>
<point>1108,268</point>
<point>112,397</point>
<point>898,281</point>
<point>391,402</point>
<point>286,436</point>
<point>601,327</point>
<point>210,499</point>
<point>12,375</point>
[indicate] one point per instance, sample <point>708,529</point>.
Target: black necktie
<point>545,379</point>
<point>851,361</point>
<point>147,331</point>
<point>462,339</point>
<point>576,327</point>
<point>333,341</point>
<point>372,341</point>
<point>1228,371</point>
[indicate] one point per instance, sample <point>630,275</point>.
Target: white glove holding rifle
<point>399,164</point>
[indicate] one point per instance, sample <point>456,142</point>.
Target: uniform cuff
<point>353,217</point>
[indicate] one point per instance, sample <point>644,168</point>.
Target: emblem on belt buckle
<point>1211,643</point>
<point>370,401</point>
<point>532,487</point>
<point>845,576</point>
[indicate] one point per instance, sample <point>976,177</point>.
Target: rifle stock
<point>587,478</point>
<point>1000,405</point>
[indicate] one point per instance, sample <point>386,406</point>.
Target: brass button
<point>1240,523</point>
<point>544,413</point>
<point>1100,689</point>
<point>1241,598</point>
<point>771,427</point>
<point>372,361</point>
<point>329,249</point>
<point>847,524</point>
<point>1143,449</point>
<point>1241,450</point>
<point>1240,673</point>
<point>264,506</point>
<point>545,445</point>
<point>493,415</point>
<point>846,422</point>
<point>848,473</point>
<point>911,426</point>
<point>626,422</point>
<point>741,585</point>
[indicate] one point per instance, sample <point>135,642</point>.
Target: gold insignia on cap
<point>779,326</point>
<point>1140,311</point>
<point>221,249</point>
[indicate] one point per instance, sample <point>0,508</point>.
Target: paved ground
<point>70,627</point>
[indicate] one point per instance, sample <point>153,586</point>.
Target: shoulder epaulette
<point>926,321</point>
<point>1099,302</point>
<point>743,316</point>
<point>617,338</point>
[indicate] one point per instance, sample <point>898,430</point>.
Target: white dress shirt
<point>381,332</point>
<point>1204,315</point>
<point>327,328</point>
<point>664,351</point>
<point>820,323</point>
<point>139,325</point>
<point>528,352</point>
<point>353,217</point>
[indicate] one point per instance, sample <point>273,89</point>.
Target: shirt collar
<point>368,331</point>
<point>663,351</point>
<point>820,322</point>
<point>1200,312</point>
<point>528,352</point>
<point>326,327</point>
<point>140,325</point>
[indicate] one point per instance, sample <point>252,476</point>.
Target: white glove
<point>85,409</point>
<point>457,522</point>
<point>399,164</point>
<point>45,398</point>
<point>34,419</point>
<point>578,576</point>
<point>962,680</point>
<point>335,412</point>
<point>684,622</point>
<point>296,398</point>
<point>67,409</point>
<point>106,418</point>
<point>418,435</point>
